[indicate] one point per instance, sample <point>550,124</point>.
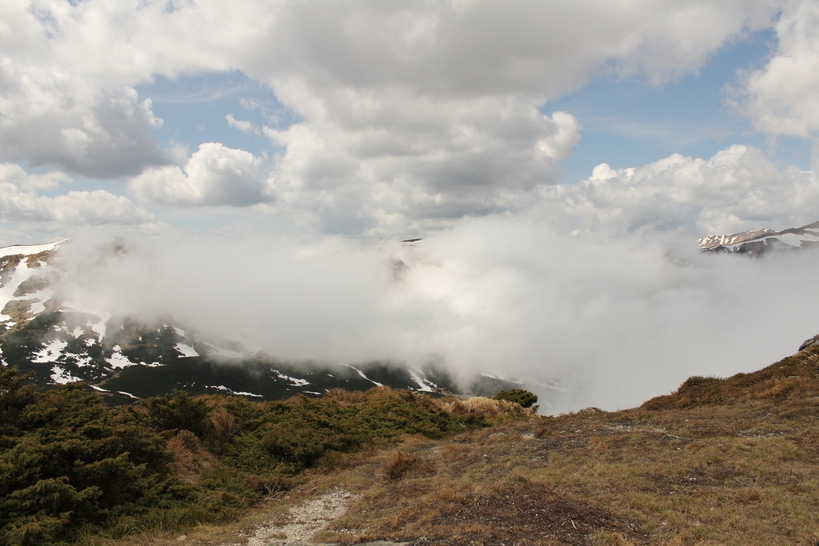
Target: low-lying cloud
<point>584,320</point>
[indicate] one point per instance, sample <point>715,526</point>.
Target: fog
<point>582,320</point>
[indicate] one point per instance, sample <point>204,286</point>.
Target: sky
<point>493,130</point>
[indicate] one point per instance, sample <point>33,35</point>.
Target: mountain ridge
<point>761,241</point>
<point>127,358</point>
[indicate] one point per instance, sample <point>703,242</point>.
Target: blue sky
<point>628,122</point>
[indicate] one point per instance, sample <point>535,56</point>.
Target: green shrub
<point>525,398</point>
<point>177,410</point>
<point>71,465</point>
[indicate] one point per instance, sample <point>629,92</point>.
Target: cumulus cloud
<point>14,174</point>
<point>782,98</point>
<point>52,117</point>
<point>485,49</point>
<point>414,164</point>
<point>243,126</point>
<point>19,201</point>
<point>213,176</point>
<point>410,114</point>
<point>416,115</point>
<point>737,189</point>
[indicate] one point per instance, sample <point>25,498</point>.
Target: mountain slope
<point>128,358</point>
<point>719,461</point>
<point>761,241</point>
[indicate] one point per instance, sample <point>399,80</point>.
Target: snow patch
<point>128,394</point>
<point>27,250</point>
<point>296,382</point>
<point>83,361</point>
<point>117,360</point>
<point>423,384</point>
<point>228,390</point>
<point>186,349</point>
<point>365,377</point>
<point>59,375</point>
<point>36,307</point>
<point>51,352</point>
<point>21,274</point>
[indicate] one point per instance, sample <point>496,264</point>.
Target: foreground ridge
<point>718,461</point>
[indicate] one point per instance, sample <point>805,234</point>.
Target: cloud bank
<point>595,295</point>
<point>589,319</point>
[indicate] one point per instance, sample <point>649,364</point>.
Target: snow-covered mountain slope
<point>128,358</point>
<point>761,241</point>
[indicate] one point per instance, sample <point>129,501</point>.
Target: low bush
<point>71,464</point>
<point>525,398</point>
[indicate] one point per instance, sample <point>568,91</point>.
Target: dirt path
<point>304,521</point>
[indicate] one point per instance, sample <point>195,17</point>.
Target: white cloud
<point>213,176</point>
<point>14,174</point>
<point>417,115</point>
<point>407,164</point>
<point>28,216</point>
<point>242,125</point>
<point>50,116</point>
<point>782,98</point>
<point>411,114</point>
<point>614,319</point>
<point>75,208</point>
<point>482,48</point>
<point>737,189</point>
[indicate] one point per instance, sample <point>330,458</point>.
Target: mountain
<point>762,241</point>
<point>128,358</point>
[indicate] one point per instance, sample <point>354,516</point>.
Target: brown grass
<point>189,459</point>
<point>403,464</point>
<point>487,408</point>
<point>721,461</point>
<point>223,425</point>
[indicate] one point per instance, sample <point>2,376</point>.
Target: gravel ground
<point>304,521</point>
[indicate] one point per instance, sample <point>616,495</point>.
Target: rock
<point>809,343</point>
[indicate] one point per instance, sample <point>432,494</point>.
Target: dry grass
<point>189,459</point>
<point>402,465</point>
<point>732,461</point>
<point>483,407</point>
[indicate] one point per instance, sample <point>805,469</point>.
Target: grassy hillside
<point>72,468</point>
<point>720,461</point>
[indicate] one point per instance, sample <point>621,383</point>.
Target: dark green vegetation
<point>71,466</point>
<point>523,397</point>
<point>264,378</point>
